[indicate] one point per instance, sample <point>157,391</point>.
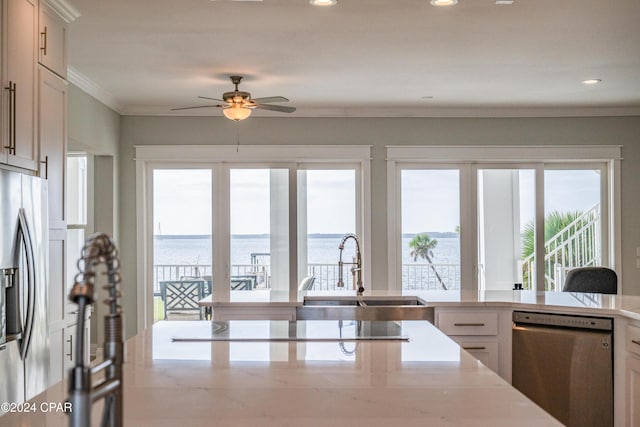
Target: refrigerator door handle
<point>25,236</point>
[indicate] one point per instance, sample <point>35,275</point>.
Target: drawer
<point>633,339</point>
<point>468,322</point>
<point>486,351</point>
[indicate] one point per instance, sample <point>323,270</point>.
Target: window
<point>506,228</point>
<point>77,205</point>
<point>327,206</point>
<point>430,223</point>
<point>519,223</point>
<point>182,218</point>
<point>259,233</point>
<point>573,221</point>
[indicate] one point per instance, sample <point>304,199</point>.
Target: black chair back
<point>600,280</point>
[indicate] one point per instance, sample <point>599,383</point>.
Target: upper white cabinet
<point>19,45</point>
<point>52,131</point>
<point>52,52</point>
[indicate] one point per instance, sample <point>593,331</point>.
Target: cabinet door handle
<point>635,342</point>
<point>70,354</point>
<point>474,348</point>
<point>45,162</point>
<point>43,37</point>
<point>13,108</point>
<point>468,324</point>
<point>12,118</point>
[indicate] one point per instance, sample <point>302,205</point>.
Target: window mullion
<point>469,228</point>
<point>222,234</point>
<point>539,228</point>
<point>293,234</point>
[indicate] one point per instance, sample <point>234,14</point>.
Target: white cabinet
<point>63,350</point>
<point>57,302</point>
<point>626,368</point>
<point>52,52</point>
<point>19,26</point>
<point>632,374</point>
<point>52,135</point>
<point>484,333</point>
<point>633,390</point>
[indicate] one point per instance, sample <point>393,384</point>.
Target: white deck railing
<point>576,245</point>
<point>414,276</point>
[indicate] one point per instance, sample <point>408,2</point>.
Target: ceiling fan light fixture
<point>236,112</point>
<point>444,2</point>
<point>323,2</point>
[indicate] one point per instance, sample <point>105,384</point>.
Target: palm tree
<point>554,223</point>
<point>422,246</point>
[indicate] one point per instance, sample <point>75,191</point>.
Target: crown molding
<point>402,112</point>
<point>89,86</point>
<point>63,8</point>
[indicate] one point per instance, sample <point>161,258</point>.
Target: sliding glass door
<point>430,224</point>
<point>506,228</point>
<point>327,211</point>
<point>573,218</point>
<point>259,222</point>
<point>182,242</point>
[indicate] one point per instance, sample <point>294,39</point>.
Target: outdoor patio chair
<point>600,280</point>
<point>182,295</point>
<point>307,283</point>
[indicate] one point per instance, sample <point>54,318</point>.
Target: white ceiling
<point>374,58</point>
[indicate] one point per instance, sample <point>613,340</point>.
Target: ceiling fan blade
<point>200,106</point>
<point>279,108</point>
<point>271,99</point>
<point>213,99</point>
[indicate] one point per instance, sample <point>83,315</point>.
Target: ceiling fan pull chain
<point>237,136</point>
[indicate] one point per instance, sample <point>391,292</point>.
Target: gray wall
<point>380,132</point>
<point>94,128</point>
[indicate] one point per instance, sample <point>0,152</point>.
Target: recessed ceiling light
<point>591,81</point>
<point>444,2</point>
<point>323,2</point>
<point>504,1</point>
<point>427,97</point>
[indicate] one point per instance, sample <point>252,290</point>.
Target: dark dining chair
<point>599,280</point>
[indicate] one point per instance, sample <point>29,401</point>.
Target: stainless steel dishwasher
<point>565,365</point>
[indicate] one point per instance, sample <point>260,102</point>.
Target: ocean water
<point>321,250</point>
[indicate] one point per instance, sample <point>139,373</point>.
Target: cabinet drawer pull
<point>468,324</point>
<point>70,354</point>
<point>474,348</point>
<point>635,342</point>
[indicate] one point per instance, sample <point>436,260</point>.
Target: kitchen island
<point>411,374</point>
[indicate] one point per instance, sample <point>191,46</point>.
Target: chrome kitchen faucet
<point>356,269</point>
<point>98,249</point>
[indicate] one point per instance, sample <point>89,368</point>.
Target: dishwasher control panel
<point>562,320</point>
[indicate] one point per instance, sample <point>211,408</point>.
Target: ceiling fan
<point>237,105</point>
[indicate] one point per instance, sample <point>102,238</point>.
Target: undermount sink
<point>364,308</point>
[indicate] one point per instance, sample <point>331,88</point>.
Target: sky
<point>182,201</point>
<point>430,199</point>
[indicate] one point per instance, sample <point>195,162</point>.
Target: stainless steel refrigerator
<point>24,335</point>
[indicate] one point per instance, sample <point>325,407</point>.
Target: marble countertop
<point>569,302</point>
<point>427,380</point>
